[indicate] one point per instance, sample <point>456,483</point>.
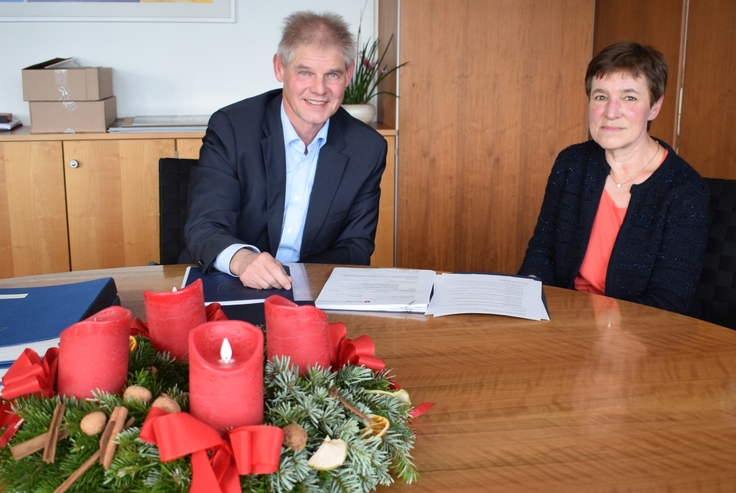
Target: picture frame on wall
<point>117,11</point>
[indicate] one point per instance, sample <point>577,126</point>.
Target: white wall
<point>171,68</point>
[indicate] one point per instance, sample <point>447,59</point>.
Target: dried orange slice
<point>378,428</point>
<point>132,344</point>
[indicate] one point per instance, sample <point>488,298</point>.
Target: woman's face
<point>618,111</point>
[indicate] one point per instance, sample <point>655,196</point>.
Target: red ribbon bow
<point>245,450</point>
<point>213,312</point>
<point>29,374</point>
<point>358,351</point>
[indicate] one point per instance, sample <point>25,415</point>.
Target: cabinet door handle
<point>73,163</point>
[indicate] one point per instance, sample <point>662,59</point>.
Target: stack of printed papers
<point>410,290</point>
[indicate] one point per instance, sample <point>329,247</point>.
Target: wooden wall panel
<point>388,26</point>
<point>707,138</point>
<point>383,255</point>
<point>659,23</point>
<point>492,92</point>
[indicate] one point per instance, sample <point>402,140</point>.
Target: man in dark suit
<point>289,176</point>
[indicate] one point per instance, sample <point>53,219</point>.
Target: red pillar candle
<point>226,394</point>
<point>172,314</point>
<point>299,332</point>
<point>93,354</point>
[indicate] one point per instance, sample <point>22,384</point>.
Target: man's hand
<point>259,270</point>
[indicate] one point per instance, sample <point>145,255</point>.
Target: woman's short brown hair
<point>633,59</point>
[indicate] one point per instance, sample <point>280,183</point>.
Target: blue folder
<point>34,317</point>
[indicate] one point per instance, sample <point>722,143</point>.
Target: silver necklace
<point>610,173</point>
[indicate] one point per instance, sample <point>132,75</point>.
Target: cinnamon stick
<point>52,437</point>
<point>114,426</point>
<point>35,444</point>
<point>334,393</point>
<point>116,414</point>
<point>76,474</point>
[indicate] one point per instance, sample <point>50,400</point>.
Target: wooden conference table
<point>607,396</point>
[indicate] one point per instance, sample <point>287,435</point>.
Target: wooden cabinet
<point>188,148</point>
<point>91,201</point>
<point>112,201</point>
<point>33,228</point>
<point>75,202</point>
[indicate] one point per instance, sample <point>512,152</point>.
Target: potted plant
<point>369,72</point>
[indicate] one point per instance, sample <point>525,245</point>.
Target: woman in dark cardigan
<point>622,214</point>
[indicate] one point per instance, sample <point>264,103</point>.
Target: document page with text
<point>387,290</point>
<point>493,294</point>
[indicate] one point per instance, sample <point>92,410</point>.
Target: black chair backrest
<point>173,186</point>
<point>717,290</point>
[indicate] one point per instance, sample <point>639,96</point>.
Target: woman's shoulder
<point>680,175</point>
<point>583,149</point>
<point>583,156</point>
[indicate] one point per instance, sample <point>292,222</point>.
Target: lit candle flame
<point>226,352</point>
<point>174,290</point>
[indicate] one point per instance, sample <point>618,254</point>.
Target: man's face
<point>314,85</point>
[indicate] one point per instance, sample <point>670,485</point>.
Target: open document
<point>491,294</point>
<point>385,290</point>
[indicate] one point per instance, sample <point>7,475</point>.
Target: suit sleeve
<point>214,195</point>
<point>356,240</point>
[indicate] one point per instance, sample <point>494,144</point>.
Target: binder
<point>34,317</point>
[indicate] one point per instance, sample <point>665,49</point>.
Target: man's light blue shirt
<point>301,167</point>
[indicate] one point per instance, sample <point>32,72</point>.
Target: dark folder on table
<point>228,290</point>
<point>34,317</point>
<point>238,302</point>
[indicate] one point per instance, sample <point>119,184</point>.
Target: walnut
<point>294,436</point>
<point>93,423</point>
<point>138,393</point>
<point>166,403</point>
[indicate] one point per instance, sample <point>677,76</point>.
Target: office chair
<point>173,175</point>
<point>717,290</point>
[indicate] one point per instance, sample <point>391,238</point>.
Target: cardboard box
<point>55,80</point>
<point>72,116</point>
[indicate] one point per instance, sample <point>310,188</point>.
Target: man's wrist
<point>223,260</point>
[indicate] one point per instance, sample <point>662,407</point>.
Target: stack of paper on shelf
<point>168,123</point>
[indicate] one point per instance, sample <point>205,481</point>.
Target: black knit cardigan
<point>658,253</point>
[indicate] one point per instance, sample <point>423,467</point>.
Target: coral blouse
<point>607,223</point>
<point>608,219</point>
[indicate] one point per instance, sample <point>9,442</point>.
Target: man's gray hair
<point>326,30</point>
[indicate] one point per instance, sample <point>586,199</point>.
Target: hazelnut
<point>93,423</point>
<point>294,436</point>
<point>166,403</point>
<point>138,393</point>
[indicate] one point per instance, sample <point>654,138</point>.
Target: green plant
<point>369,72</point>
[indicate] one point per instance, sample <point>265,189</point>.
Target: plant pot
<point>363,112</point>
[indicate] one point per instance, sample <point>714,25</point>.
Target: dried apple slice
<point>329,455</point>
<point>401,394</point>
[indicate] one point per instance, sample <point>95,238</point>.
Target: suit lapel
<point>330,168</point>
<point>274,158</point>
